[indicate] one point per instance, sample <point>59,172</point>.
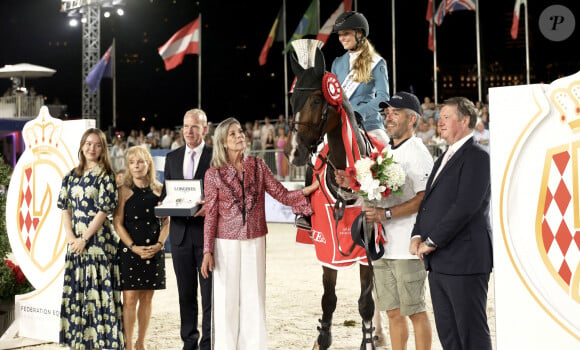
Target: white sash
<point>349,85</point>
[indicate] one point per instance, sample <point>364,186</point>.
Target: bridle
<point>321,126</point>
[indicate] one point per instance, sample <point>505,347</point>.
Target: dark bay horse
<point>320,112</point>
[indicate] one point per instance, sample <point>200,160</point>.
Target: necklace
<point>248,191</point>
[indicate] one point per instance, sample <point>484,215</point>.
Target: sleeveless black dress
<point>143,227</point>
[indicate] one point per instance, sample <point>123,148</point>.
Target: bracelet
<point>304,193</point>
<point>131,246</point>
<point>162,245</point>
<point>85,239</point>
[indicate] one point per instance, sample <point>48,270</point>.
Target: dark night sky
<point>233,84</point>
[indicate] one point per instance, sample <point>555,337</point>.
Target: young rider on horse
<point>362,73</point>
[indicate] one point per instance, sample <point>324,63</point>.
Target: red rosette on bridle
<point>332,89</point>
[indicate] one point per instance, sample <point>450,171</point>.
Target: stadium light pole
<point>90,12</point>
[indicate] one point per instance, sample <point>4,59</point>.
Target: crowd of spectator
<point>268,139</point>
<point>428,130</point>
<point>264,139</point>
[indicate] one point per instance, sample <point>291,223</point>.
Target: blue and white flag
<point>104,68</point>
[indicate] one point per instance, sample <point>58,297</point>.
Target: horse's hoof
<point>318,347</point>
<point>368,344</point>
<point>324,335</point>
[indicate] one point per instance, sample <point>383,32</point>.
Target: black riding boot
<point>304,223</point>
<point>324,335</point>
<point>368,337</point>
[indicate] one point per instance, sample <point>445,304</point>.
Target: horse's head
<point>310,118</point>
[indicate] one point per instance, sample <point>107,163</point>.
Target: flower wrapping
<point>377,176</point>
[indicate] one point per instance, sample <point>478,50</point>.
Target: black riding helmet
<point>351,20</point>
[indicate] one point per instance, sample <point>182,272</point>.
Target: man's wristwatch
<point>388,214</point>
<point>430,243</point>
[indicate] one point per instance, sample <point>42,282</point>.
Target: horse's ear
<point>319,64</point>
<point>296,67</point>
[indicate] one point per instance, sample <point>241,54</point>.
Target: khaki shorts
<point>400,284</point>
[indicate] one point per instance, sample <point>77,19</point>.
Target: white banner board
<point>33,220</point>
<point>535,153</point>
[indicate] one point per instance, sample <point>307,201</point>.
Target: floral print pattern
<point>91,311</point>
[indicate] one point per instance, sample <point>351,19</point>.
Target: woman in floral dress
<point>91,311</point>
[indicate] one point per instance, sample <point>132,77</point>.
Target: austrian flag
<point>185,41</point>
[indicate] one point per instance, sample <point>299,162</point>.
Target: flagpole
<point>434,30</point>
<point>478,50</point>
<point>527,43</point>
<point>317,16</point>
<point>286,109</point>
<point>114,69</point>
<point>394,73</point>
<point>199,66</point>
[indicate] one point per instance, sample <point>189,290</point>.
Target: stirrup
<point>324,339</point>
<point>370,340</point>
<point>303,223</point>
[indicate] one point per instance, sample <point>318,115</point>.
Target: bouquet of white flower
<point>377,176</point>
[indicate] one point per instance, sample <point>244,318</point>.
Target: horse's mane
<point>360,134</point>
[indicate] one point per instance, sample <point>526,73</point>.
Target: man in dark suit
<point>186,233</point>
<point>452,232</point>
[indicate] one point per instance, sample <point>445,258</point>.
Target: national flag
<point>429,18</point>
<point>429,15</point>
<point>185,41</point>
<point>276,34</point>
<point>328,26</point>
<point>308,24</point>
<point>103,68</point>
<point>449,6</point>
<point>440,13</point>
<point>459,5</point>
<point>516,19</point>
<point>430,43</point>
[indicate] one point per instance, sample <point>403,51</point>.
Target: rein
<point>339,206</point>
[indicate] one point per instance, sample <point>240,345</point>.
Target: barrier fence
<point>20,106</point>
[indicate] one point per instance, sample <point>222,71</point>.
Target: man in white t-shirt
<point>399,275</point>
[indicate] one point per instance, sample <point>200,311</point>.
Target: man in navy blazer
<point>186,234</point>
<point>452,232</point>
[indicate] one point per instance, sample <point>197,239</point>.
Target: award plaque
<point>182,198</point>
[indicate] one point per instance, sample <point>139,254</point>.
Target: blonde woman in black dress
<point>141,254</point>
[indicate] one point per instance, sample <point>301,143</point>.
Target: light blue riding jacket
<point>367,96</point>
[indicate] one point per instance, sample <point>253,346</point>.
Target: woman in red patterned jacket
<point>235,237</point>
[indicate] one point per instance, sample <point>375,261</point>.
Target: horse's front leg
<point>366,307</point>
<point>324,339</point>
